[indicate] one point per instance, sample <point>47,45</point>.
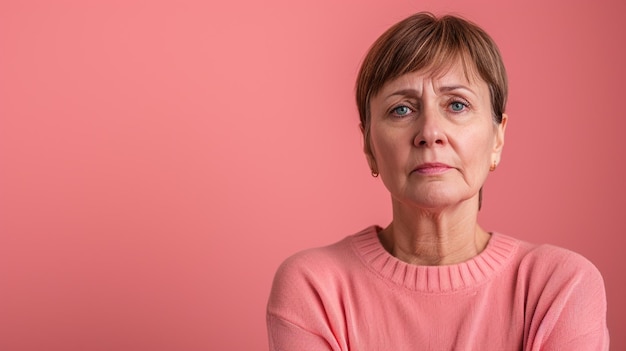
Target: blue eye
<point>457,106</point>
<point>401,111</point>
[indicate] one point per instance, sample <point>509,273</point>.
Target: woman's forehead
<point>445,77</point>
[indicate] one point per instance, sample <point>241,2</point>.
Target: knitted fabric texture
<point>354,295</point>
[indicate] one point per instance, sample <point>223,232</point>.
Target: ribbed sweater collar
<point>435,279</point>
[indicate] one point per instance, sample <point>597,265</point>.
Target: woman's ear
<point>367,150</point>
<point>499,137</point>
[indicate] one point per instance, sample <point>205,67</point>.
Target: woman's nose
<point>430,131</point>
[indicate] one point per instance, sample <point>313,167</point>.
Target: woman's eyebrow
<point>449,88</point>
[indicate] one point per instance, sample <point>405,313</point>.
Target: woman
<point>431,95</point>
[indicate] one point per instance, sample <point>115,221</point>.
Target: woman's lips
<point>432,168</point>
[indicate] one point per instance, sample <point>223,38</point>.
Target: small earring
<point>374,174</point>
<point>493,166</point>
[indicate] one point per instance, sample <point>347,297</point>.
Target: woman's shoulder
<point>559,286</point>
<point>322,259</point>
<point>312,275</point>
<point>554,263</point>
<point>554,256</point>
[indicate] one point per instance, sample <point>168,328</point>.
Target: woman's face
<point>433,139</point>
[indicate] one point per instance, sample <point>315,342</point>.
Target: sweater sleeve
<point>569,308</point>
<point>286,336</point>
<point>299,316</point>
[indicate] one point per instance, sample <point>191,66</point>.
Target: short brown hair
<point>423,41</point>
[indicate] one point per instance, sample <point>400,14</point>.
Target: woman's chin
<point>436,202</point>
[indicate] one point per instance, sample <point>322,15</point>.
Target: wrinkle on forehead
<point>452,74</point>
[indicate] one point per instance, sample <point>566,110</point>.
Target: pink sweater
<point>354,295</point>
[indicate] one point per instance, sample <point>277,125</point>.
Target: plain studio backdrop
<point>159,159</point>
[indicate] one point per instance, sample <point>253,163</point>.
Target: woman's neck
<point>434,238</point>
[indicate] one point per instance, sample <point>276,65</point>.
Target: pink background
<point>159,159</point>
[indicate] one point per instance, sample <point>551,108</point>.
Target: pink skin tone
<point>433,140</point>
